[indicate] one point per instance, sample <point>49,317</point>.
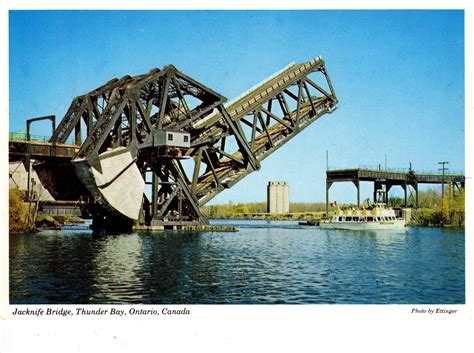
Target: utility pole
<point>385,161</point>
<point>443,169</point>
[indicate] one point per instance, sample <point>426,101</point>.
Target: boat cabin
<point>375,213</point>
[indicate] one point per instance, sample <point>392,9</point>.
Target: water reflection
<point>179,267</point>
<point>265,262</point>
<point>50,266</point>
<point>116,268</point>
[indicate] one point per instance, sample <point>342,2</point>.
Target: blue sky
<point>399,77</point>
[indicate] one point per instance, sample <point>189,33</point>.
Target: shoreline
<point>318,216</point>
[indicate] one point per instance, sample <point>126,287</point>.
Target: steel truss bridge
<point>124,153</point>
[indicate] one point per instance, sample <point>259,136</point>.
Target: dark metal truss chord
<point>227,142</point>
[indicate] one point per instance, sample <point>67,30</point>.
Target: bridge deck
<point>261,93</point>
<point>389,178</point>
<point>20,149</point>
<point>377,175</point>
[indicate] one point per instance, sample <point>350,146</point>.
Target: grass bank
<point>20,214</point>
<point>296,216</point>
<point>258,210</point>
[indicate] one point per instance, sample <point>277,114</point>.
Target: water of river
<point>266,262</point>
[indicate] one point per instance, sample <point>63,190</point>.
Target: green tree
<point>396,201</point>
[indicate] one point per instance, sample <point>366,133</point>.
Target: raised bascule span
<point>159,146</point>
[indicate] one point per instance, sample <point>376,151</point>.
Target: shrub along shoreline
<point>23,217</point>
<point>435,211</point>
<point>20,214</point>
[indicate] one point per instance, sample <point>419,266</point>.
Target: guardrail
<point>398,170</point>
<point>21,136</point>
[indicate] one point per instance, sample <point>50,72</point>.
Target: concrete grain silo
<point>277,197</point>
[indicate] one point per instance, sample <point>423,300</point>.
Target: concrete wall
<point>285,198</point>
<point>120,185</point>
<point>18,179</point>
<point>406,214</point>
<point>277,197</point>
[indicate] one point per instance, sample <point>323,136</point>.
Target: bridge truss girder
<point>226,142</point>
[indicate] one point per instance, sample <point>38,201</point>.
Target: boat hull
<point>397,224</point>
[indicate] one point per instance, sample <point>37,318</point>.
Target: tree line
<point>231,210</point>
<point>433,210</point>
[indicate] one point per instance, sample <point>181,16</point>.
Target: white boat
<point>377,216</point>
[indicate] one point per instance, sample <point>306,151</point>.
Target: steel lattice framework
<point>227,141</point>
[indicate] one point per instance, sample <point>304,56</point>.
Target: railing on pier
<point>397,170</point>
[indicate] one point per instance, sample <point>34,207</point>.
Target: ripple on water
<point>264,263</point>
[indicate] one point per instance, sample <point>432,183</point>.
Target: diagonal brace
<point>243,145</point>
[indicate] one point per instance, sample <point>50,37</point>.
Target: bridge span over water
<point>167,133</point>
<point>385,179</point>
